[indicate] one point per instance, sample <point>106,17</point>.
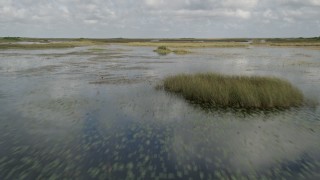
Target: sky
<point>160,18</point>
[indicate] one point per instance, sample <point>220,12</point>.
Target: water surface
<point>85,114</point>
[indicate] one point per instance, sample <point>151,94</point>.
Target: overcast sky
<point>160,18</point>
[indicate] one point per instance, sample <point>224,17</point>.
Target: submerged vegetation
<point>224,91</point>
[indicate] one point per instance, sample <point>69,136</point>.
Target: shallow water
<point>84,114</point>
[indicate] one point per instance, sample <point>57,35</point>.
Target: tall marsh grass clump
<point>163,50</point>
<point>224,91</point>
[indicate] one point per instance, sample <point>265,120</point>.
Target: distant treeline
<point>301,39</point>
<point>126,40</point>
<point>11,38</point>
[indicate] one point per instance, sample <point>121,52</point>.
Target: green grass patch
<point>222,91</point>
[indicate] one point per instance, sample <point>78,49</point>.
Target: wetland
<point>92,110</point>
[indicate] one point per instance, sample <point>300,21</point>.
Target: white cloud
<point>150,18</point>
<point>269,14</point>
<point>300,3</point>
<point>245,4</point>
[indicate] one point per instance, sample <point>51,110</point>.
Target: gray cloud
<point>159,18</point>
